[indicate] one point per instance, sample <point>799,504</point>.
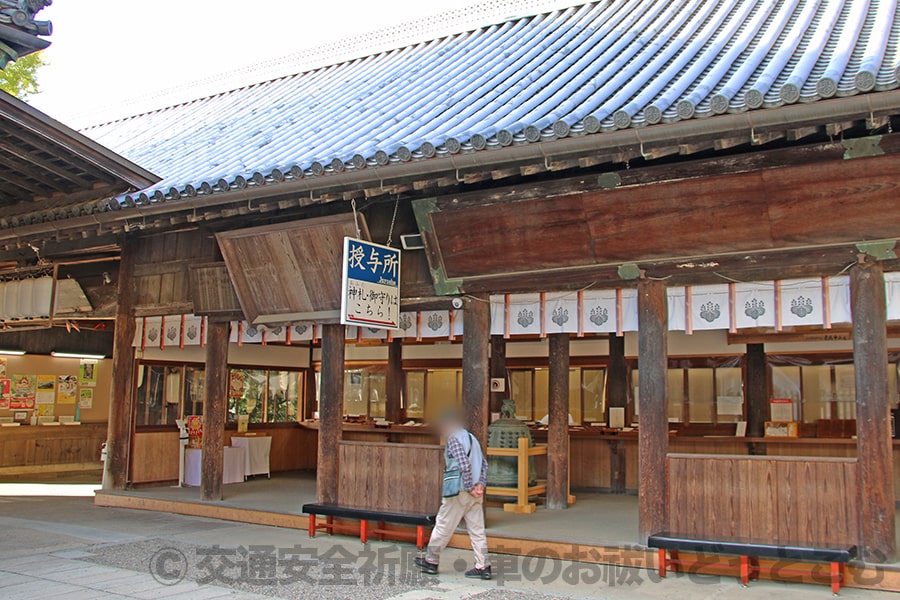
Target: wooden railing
<point>805,500</point>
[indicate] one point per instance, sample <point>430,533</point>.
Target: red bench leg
<point>381,526</point>
<point>837,576</point>
<point>745,571</point>
<point>663,566</point>
<point>364,531</point>
<point>420,537</point>
<point>312,525</point>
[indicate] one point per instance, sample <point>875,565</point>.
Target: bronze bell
<point>505,433</point>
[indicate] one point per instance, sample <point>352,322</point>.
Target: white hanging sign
<point>370,291</point>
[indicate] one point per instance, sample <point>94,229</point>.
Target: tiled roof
<point>587,69</point>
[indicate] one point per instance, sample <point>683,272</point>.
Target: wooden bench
<point>749,552</point>
<point>364,516</point>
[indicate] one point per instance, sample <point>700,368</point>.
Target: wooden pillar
<point>394,382</point>
<point>498,370</point>
<point>616,397</point>
<point>757,390</point>
<point>215,405</point>
<point>873,430</point>
<point>476,365</point>
<point>331,411</point>
<point>653,432</point>
<point>121,393</point>
<point>558,433</point>
<point>309,403</point>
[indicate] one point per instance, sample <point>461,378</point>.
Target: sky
<point>107,53</point>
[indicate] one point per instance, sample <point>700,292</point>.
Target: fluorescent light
<point>12,352</point>
<point>77,355</point>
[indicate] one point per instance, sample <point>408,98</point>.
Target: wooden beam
<point>757,390</point>
<point>558,433</point>
<point>873,429</point>
<point>653,433</point>
<point>394,382</point>
<point>331,412</point>
<point>121,393</point>
<point>215,407</point>
<point>498,370</point>
<point>476,365</point>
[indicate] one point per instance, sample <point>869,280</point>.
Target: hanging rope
<point>355,218</point>
<point>390,238</point>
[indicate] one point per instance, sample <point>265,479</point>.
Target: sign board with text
<point>370,295</point>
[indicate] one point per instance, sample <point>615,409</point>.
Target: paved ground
<point>62,546</point>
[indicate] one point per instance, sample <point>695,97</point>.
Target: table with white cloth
<point>232,472</point>
<point>258,449</point>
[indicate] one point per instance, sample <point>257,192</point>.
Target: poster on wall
<point>88,373</point>
<point>45,410</point>
<point>2,367</point>
<point>4,394</point>
<point>23,391</point>
<point>237,384</point>
<point>66,389</point>
<point>86,398</point>
<point>46,389</point>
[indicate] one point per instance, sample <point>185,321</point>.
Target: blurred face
<point>449,425</point>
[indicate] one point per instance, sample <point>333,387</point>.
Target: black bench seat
<point>749,551</point>
<point>364,516</point>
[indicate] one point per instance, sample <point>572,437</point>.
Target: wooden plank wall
<point>155,454</point>
<point>386,476</point>
<point>782,499</point>
<point>162,267</point>
<point>37,446</point>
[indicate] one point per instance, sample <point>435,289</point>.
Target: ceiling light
<point>77,355</point>
<point>12,352</point>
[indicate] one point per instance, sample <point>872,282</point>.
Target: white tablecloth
<point>233,472</point>
<point>258,449</point>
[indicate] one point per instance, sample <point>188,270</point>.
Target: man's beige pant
<point>453,510</point>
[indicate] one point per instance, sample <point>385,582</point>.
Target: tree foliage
<point>19,78</point>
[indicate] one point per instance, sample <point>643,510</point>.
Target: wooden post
<point>394,382</point>
<point>331,412</point>
<point>121,393</point>
<point>309,404</point>
<point>558,433</point>
<point>498,370</point>
<point>757,390</point>
<point>475,367</point>
<point>215,405</point>
<point>653,431</point>
<point>616,374</point>
<point>873,430</point>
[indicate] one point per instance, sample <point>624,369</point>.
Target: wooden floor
<point>600,528</point>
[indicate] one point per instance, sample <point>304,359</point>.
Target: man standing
<point>465,478</point>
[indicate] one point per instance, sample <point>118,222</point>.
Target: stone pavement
<point>65,547</point>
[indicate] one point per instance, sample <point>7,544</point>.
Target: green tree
<point>19,78</point>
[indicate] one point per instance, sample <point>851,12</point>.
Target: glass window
<point>443,390</point>
<point>676,395</point>
<point>844,392</point>
<point>729,395</point>
<point>194,379</point>
<point>248,394</point>
<point>818,393</point>
<point>521,391</point>
<point>701,396</point>
<point>159,393</point>
<point>786,383</point>
<point>414,398</point>
<point>283,396</point>
<point>593,391</point>
<point>541,391</point>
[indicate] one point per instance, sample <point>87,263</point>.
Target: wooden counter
<point>400,434</point>
<point>58,448</point>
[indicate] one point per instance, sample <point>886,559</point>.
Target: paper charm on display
<point>88,373</point>
<point>45,410</point>
<point>86,398</point>
<point>66,389</point>
<point>370,294</point>
<point>46,389</point>
<point>23,392</point>
<point>4,394</point>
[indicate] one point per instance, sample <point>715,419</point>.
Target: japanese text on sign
<point>371,285</point>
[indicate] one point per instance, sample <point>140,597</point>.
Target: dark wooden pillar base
<point>215,405</point>
<point>393,411</point>
<point>121,393</point>
<point>476,365</point>
<point>331,412</point>
<point>558,433</point>
<point>653,431</point>
<point>498,370</point>
<point>873,430</point>
<point>616,375</point>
